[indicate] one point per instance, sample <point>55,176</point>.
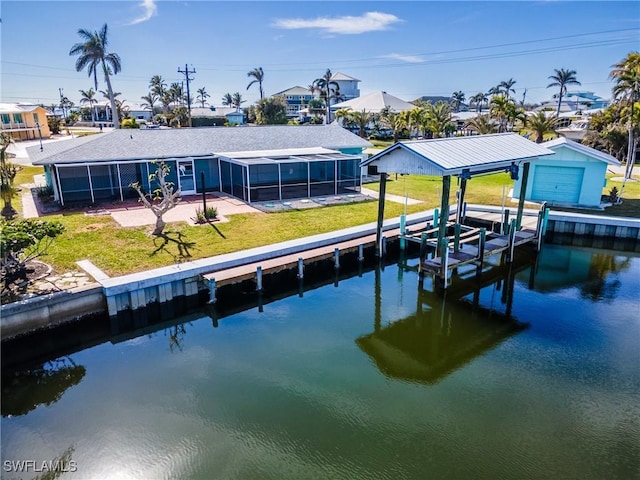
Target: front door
<point>186,179</point>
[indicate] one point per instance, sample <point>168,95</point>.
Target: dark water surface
<point>532,377</point>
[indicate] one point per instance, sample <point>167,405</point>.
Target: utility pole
<point>186,72</point>
<point>62,103</point>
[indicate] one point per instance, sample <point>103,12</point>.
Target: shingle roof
<point>450,156</point>
<point>151,144</point>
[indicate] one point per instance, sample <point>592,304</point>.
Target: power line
<point>186,73</point>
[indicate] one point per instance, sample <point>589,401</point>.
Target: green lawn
<point>118,250</point>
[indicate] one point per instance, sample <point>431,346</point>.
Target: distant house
<point>375,102</point>
<point>24,121</point>
<point>347,86</point>
<point>250,163</point>
<point>297,98</point>
<point>216,116</point>
<point>576,101</point>
<point>574,176</point>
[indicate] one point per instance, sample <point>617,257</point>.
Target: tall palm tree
<point>176,93</point>
<point>493,91</point>
<point>479,98</point>
<point>457,99</point>
<point>202,96</point>
<point>541,125</point>
<point>438,119</point>
<point>227,100</point>
<point>626,75</point>
<point>93,54</point>
<point>506,86</point>
<point>158,86</point>
<point>561,79</point>
<point>500,109</point>
<point>149,101</point>
<point>258,77</point>
<point>395,121</point>
<point>89,96</point>
<point>237,101</point>
<point>328,89</point>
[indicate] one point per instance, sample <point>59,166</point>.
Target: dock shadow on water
<point>351,372</point>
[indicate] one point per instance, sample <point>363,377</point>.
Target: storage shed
<point>573,176</point>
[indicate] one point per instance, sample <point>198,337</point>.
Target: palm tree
<point>258,77</point>
<point>479,98</point>
<point>237,101</point>
<point>626,75</point>
<point>149,101</point>
<point>361,119</point>
<point>328,89</point>
<point>500,110</point>
<point>89,96</point>
<point>561,79</point>
<point>437,119</point>
<point>493,91</point>
<point>457,99</point>
<point>93,53</point>
<point>506,86</point>
<point>202,96</point>
<point>227,100</point>
<point>482,124</point>
<point>541,125</point>
<point>176,93</point>
<point>158,85</point>
<point>395,121</point>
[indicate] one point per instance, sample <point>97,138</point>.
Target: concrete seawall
<point>130,293</point>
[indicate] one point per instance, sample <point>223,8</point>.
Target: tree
<point>202,96</point>
<point>626,75</point>
<point>258,77</point>
<point>158,85</point>
<point>438,119</point>
<point>395,121</point>
<point>160,200</point>
<point>237,101</point>
<point>149,101</point>
<point>176,93</point>
<point>327,89</point>
<point>8,173</point>
<point>482,124</point>
<point>359,119</point>
<point>501,109</point>
<point>271,111</point>
<point>479,98</point>
<point>93,53</point>
<point>561,79</point>
<point>457,99</point>
<point>89,96</point>
<point>227,100</point>
<point>22,241</point>
<point>541,125</point>
<point>506,86</point>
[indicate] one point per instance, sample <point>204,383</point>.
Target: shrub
<point>204,216</point>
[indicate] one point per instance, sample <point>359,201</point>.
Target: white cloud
<point>150,10</point>
<point>348,25</point>
<point>405,58</point>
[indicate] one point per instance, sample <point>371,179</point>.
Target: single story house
<point>251,163</point>
<point>573,176</point>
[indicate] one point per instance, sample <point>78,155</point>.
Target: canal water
<point>535,375</point>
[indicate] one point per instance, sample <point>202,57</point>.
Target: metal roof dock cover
<point>450,156</point>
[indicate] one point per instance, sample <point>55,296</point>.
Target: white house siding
<point>402,161</point>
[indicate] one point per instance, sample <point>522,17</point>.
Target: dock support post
<point>456,238</point>
<point>444,264</point>
<point>403,220</point>
<point>361,253</point>
<point>384,246</point>
<point>523,191</point>
<point>259,279</point>
<point>442,227</point>
<point>436,217</point>
<point>481,242</point>
<point>212,290</point>
<point>512,240</point>
<point>383,189</point>
<point>460,212</point>
<point>505,222</point>
<point>300,268</point>
<point>336,258</point>
<point>423,251</point>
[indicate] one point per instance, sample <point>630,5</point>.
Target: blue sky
<point>408,49</point>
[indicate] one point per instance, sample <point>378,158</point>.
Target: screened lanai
<point>286,174</point>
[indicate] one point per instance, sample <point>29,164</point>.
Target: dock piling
<point>336,258</point>
<point>212,290</point>
<point>361,253</point>
<point>259,279</point>
<point>300,268</point>
<point>403,220</point>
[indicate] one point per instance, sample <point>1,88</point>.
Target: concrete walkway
<point>390,197</point>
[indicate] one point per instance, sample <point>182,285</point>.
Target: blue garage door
<point>557,184</point>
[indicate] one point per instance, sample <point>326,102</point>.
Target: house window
<point>17,117</point>
<point>35,118</point>
<point>6,120</point>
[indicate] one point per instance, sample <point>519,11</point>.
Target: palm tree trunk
<point>559,104</point>
<point>114,110</point>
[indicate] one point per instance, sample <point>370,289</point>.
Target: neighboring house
<point>575,101</point>
<point>348,86</point>
<point>216,116</point>
<point>136,111</point>
<point>251,163</point>
<point>375,102</point>
<point>574,176</point>
<point>296,98</point>
<point>24,121</point>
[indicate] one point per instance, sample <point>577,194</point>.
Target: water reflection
<point>26,389</point>
<point>444,333</point>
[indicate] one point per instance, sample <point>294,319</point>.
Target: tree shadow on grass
<point>165,241</point>
<point>213,225</point>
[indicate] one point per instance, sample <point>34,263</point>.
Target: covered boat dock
<point>455,238</point>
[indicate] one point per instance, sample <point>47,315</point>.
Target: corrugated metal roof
<point>578,147</point>
<point>189,142</point>
<point>477,153</point>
